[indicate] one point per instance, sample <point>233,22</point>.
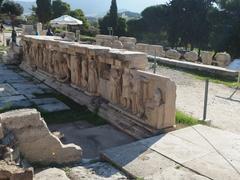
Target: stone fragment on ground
<point>51,174</point>
<point>96,171</point>
<point>35,142</point>
<point>12,172</point>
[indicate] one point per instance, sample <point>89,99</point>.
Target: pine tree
<point>113,16</point>
<point>43,10</point>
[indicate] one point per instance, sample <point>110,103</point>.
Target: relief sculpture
<point>117,76</point>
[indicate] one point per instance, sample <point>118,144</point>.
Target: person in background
<point>1,28</point>
<point>49,32</point>
<point>14,36</point>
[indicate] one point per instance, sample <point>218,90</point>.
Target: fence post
<point>205,99</point>
<point>155,63</point>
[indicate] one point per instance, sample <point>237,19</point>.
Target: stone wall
<point>115,76</point>
<point>130,43</point>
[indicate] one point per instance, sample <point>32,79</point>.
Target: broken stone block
<point>191,56</point>
<point>173,54</point>
<point>35,141</point>
<point>9,171</point>
<point>117,44</point>
<point>223,59</point>
<point>207,57</point>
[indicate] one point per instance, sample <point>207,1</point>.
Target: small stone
<point>223,59</point>
<point>52,173</point>
<point>173,54</point>
<point>191,56</point>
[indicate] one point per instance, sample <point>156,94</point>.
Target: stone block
<point>127,39</point>
<point>191,56</point>
<point>33,136</point>
<point>117,44</point>
<point>207,57</point>
<point>156,50</point>
<point>223,59</point>
<point>173,54</point>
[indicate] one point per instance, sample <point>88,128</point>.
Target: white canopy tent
<point>65,20</point>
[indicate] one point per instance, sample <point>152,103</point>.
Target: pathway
<point>196,153</point>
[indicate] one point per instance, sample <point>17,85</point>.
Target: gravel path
<point>223,112</point>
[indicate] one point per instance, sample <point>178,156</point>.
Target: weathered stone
<point>116,75</point>
<point>173,54</point>
<point>117,44</point>
<point>33,137</point>
<point>27,30</point>
<point>13,172</point>
<point>96,171</point>
<point>156,50</point>
<point>129,43</point>
<point>105,40</point>
<point>51,174</point>
<point>223,59</point>
<point>191,56</point>
<point>207,57</point>
<point>127,39</point>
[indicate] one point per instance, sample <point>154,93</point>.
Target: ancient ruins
<point>222,59</point>
<point>107,77</point>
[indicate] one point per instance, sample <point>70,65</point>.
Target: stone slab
<point>206,153</point>
<point>12,98</point>
<point>214,70</point>
<point>7,90</point>
<point>96,171</point>
<point>92,139</point>
<point>53,107</point>
<point>45,101</point>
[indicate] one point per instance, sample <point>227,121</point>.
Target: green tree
<point>188,23</point>
<point>226,34</point>
<point>111,19</point>
<point>43,10</point>
<point>113,16</point>
<point>78,14</point>
<point>60,8</point>
<point>12,9</point>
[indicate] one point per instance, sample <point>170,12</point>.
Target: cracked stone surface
<point>19,90</point>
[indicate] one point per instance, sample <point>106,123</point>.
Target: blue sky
<point>100,6</point>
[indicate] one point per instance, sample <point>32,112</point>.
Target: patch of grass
<point>182,118</point>
<point>228,83</point>
<point>77,112</point>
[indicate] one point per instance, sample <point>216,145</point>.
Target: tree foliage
<point>60,8</point>
<point>78,14</point>
<point>111,19</point>
<point>12,9</point>
<point>43,10</point>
